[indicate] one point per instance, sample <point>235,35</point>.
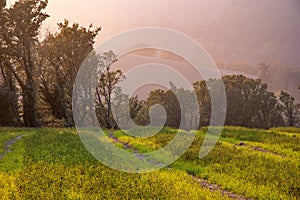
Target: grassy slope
<point>243,170</point>
<point>53,164</point>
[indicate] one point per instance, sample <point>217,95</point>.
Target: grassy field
<point>53,164</point>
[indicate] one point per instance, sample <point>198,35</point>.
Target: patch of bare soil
<point>216,188</point>
<point>260,149</point>
<point>8,144</point>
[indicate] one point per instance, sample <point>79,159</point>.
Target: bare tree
<point>105,88</point>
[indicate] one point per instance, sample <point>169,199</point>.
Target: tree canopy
<point>37,76</point>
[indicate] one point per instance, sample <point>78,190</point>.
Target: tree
<point>264,110</point>
<point>203,97</point>
<point>120,110</point>
<point>84,91</point>
<point>248,102</point>
<point>180,105</point>
<point>125,110</point>
<point>106,87</point>
<point>290,109</point>
<point>9,115</point>
<point>61,55</point>
<point>9,112</point>
<point>19,38</point>
<point>135,106</point>
<point>168,101</point>
<point>188,109</point>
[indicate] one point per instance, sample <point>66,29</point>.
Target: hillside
<point>245,164</point>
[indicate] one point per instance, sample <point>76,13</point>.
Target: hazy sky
<point>231,30</point>
<point>120,15</point>
<point>249,30</point>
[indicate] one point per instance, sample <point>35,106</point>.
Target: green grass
<point>7,134</point>
<point>14,160</point>
<point>53,164</point>
<point>243,170</point>
<point>286,129</point>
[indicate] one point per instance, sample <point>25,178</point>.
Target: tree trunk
<point>29,109</point>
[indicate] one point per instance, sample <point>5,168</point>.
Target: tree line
<point>37,77</point>
<point>248,104</point>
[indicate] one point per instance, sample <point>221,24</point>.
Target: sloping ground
<point>55,165</point>
<point>203,183</point>
<point>267,168</point>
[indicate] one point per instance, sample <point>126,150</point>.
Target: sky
<point>230,30</point>
<point>115,16</point>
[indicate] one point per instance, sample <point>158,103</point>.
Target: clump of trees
<point>289,108</point>
<point>37,78</point>
<point>61,55</point>
<point>19,38</point>
<point>249,104</point>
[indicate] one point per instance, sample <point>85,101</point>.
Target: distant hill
<point>278,77</point>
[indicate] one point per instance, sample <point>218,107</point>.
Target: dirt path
<point>202,182</point>
<point>242,144</point>
<point>267,151</point>
<point>135,151</point>
<point>8,144</point>
<point>216,188</point>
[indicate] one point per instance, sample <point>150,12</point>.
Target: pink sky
<point>115,16</point>
<point>231,30</point>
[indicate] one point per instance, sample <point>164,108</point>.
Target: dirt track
<point>8,144</point>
